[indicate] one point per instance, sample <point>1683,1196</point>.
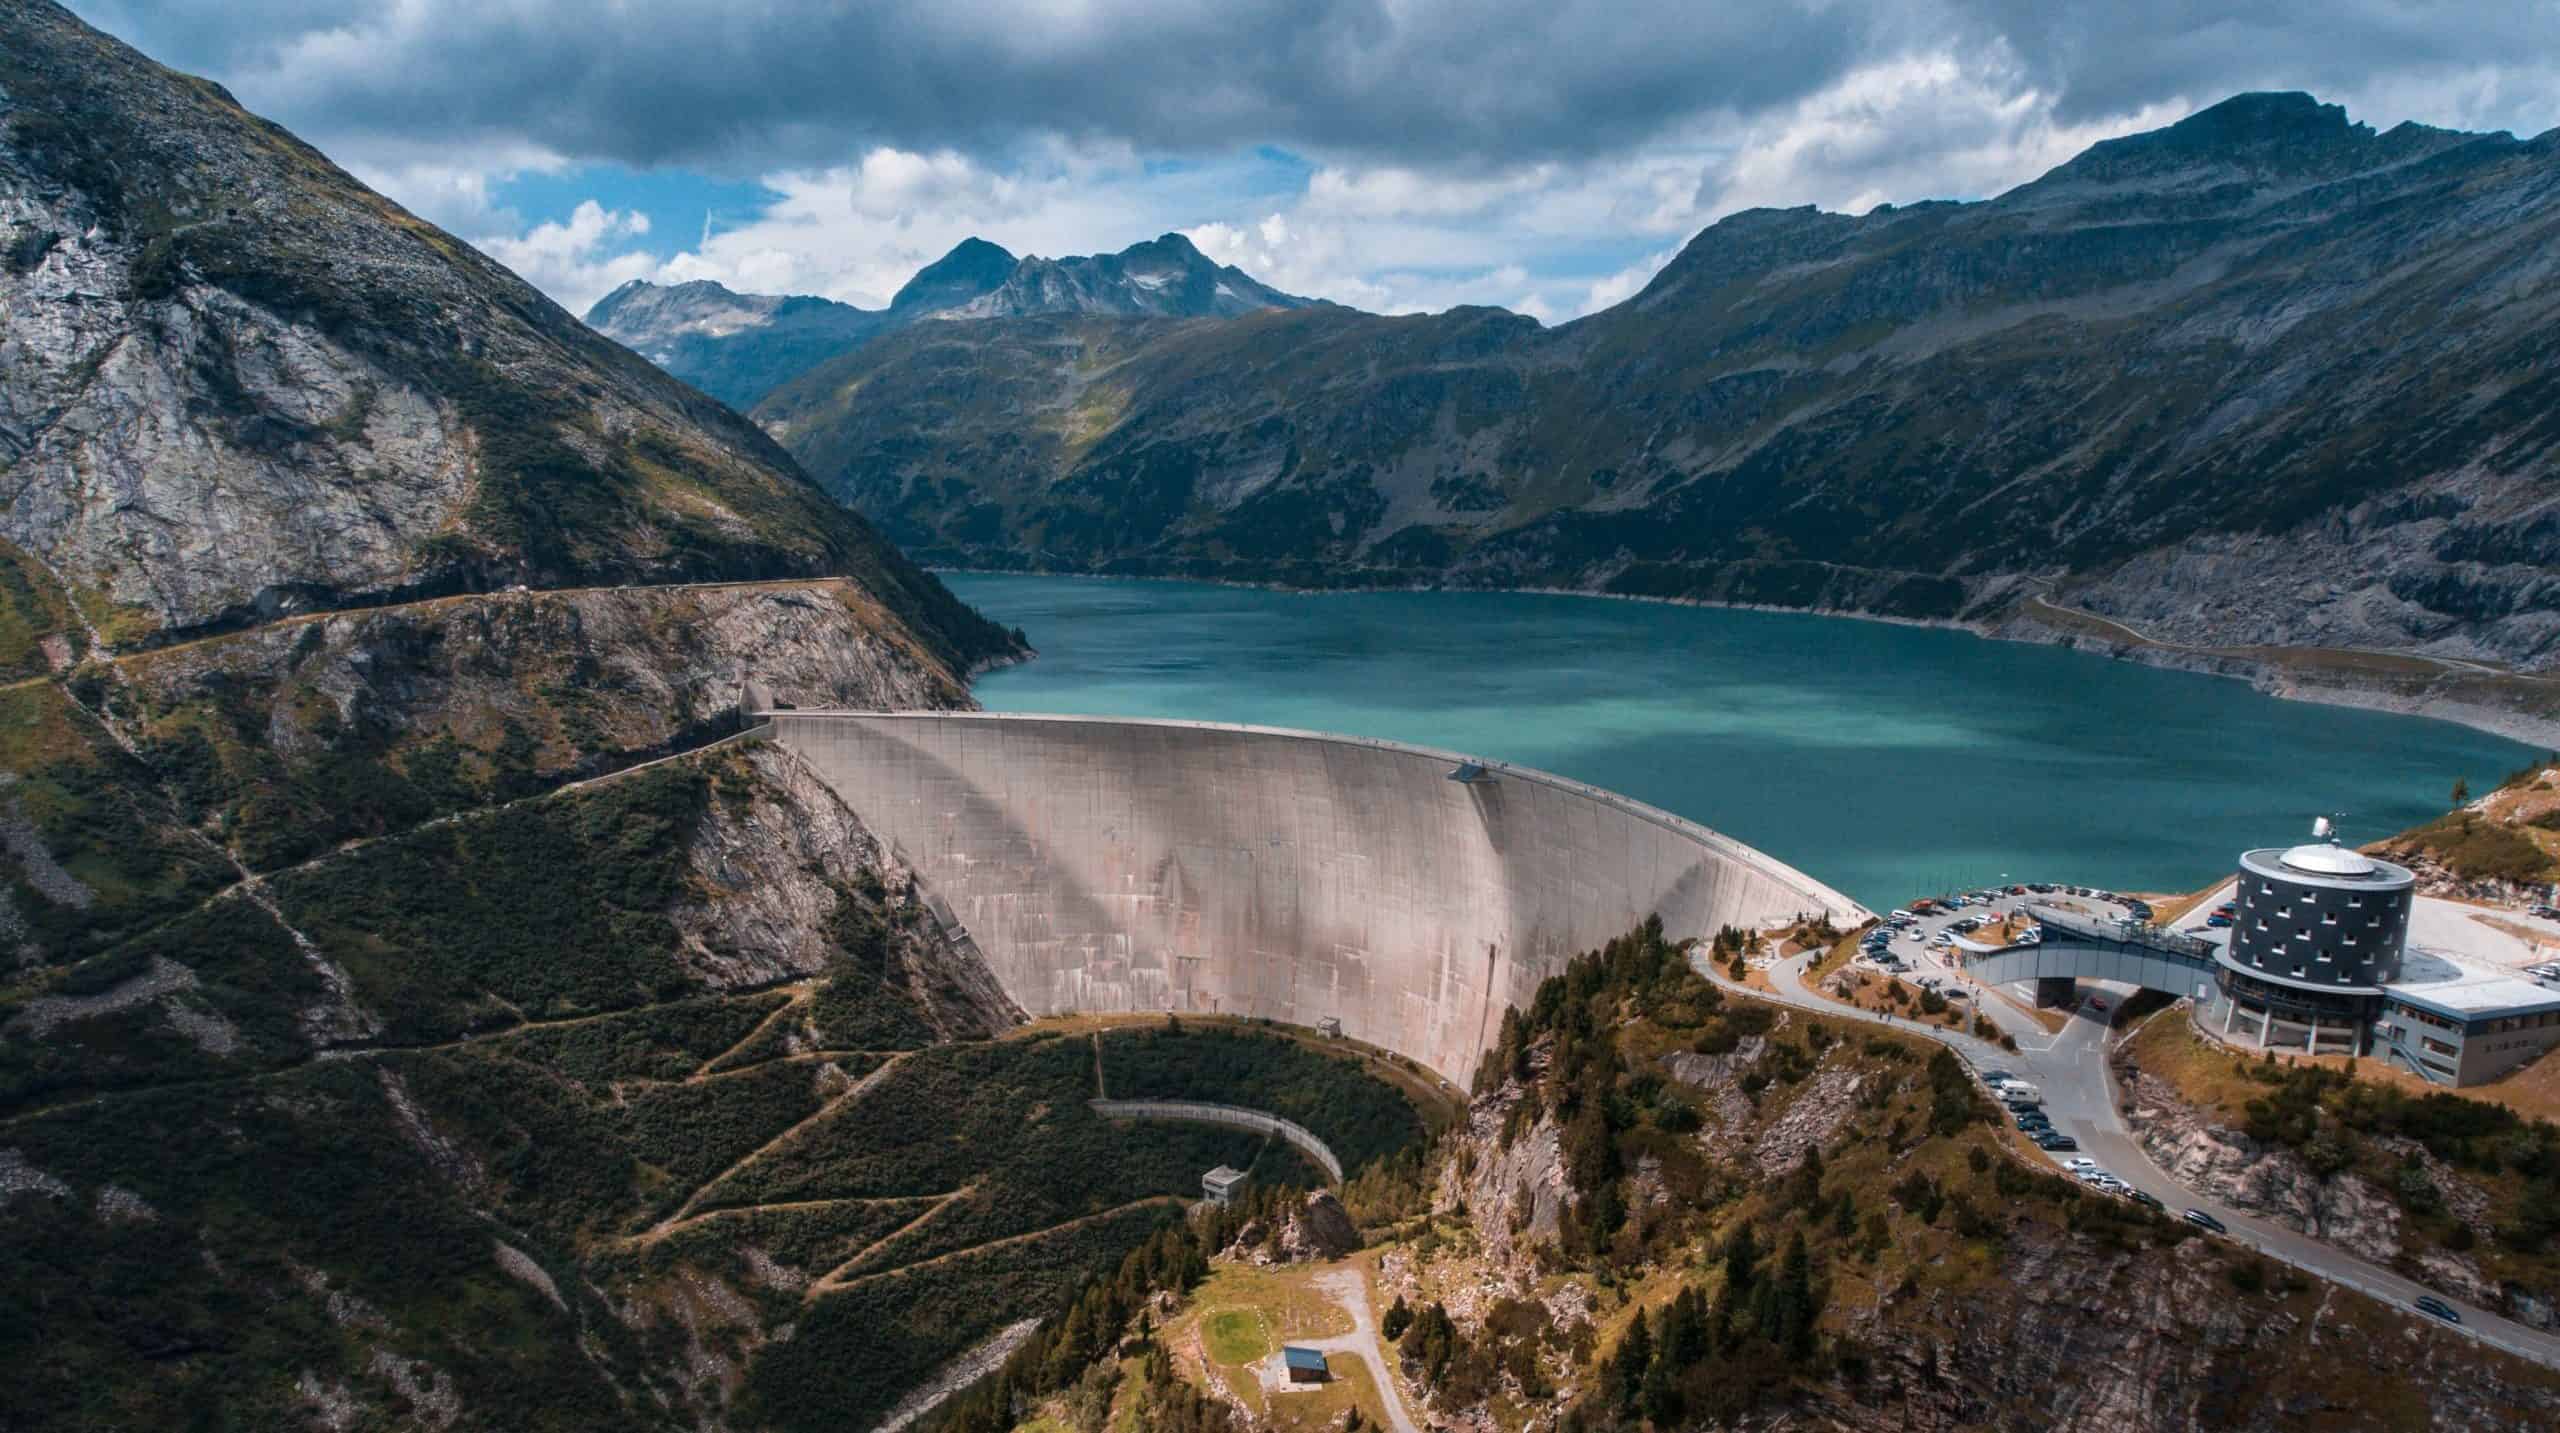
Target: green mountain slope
<point>2262,376</point>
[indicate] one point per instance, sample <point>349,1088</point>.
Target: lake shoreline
<point>1890,762</point>
<point>2270,678</point>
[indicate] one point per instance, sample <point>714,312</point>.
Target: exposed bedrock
<point>1107,864</point>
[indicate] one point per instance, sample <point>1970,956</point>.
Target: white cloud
<point>579,261</point>
<point>1617,288</point>
<point>1549,238</point>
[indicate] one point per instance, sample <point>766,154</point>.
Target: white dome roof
<point>2323,859</point>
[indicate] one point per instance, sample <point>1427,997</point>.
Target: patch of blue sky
<point>677,201</point>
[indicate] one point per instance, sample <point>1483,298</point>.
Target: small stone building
<point>1220,1185</point>
<point>1305,1365</point>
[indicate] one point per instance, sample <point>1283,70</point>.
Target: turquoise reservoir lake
<point>1886,760</point>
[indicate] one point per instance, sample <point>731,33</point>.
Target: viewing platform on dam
<point>1137,864</point>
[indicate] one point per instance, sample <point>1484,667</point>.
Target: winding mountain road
<point>2071,1069</point>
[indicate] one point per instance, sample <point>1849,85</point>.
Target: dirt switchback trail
<point>856,1091</point>
<point>823,1286</point>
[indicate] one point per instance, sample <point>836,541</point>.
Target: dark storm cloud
<point>754,84</point>
<point>756,81</point>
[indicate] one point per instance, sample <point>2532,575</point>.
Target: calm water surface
<point>1885,760</point>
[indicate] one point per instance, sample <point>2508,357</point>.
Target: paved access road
<point>1352,1292</point>
<point>2071,1071</point>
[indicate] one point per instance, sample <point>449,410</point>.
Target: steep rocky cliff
<point>234,382</point>
<point>2264,376</point>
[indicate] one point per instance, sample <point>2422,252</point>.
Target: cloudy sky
<point>1544,155</point>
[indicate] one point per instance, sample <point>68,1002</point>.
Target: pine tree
<point>1741,1262</point>
<point>1633,1359</point>
<point>1795,1308</point>
<point>1804,1186</point>
<point>1682,1340</point>
<point>2461,791</point>
<point>1399,1318</point>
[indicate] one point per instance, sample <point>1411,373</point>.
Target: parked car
<point>2082,1163</point>
<point>2056,1142</point>
<point>1997,1077</point>
<point>2430,1304</point>
<point>2217,922</point>
<point>2148,1200</point>
<point>2204,1221</point>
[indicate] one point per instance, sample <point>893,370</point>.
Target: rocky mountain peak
<point>1166,276</point>
<point>742,347</point>
<point>640,307</point>
<point>2259,139</point>
<point>973,267</point>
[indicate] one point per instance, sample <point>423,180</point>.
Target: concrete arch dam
<point>1116,864</point>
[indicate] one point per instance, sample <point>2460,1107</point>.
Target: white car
<point>2098,1178</point>
<point>2080,1162</point>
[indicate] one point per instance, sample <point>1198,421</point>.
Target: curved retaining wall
<point>1114,864</point>
<point>1237,1116</point>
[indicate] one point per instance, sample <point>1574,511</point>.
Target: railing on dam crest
<point>1234,1116</point>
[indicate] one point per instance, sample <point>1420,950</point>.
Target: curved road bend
<point>2071,1070</point>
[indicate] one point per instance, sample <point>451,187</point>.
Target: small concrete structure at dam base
<point>1119,864</point>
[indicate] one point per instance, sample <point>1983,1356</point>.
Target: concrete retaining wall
<point>1236,1116</point>
<point>1113,864</point>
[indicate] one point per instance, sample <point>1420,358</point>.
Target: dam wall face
<point>1108,864</point>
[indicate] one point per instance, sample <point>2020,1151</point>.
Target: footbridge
<point>2077,947</point>
<point>1119,864</point>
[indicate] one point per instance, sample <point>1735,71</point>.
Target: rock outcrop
<point>1319,1230</point>
<point>2274,1183</point>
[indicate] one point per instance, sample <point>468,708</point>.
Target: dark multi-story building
<point>2319,960</point>
<point>2318,933</point>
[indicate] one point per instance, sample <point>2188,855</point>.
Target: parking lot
<point>1917,943</point>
